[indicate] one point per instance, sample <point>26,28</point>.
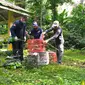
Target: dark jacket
<point>36,33</point>
<point>18,29</point>
<point>57,35</point>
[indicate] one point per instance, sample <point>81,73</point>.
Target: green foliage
<point>3,29</point>
<point>1,44</point>
<point>44,11</point>
<point>53,4</point>
<point>6,53</point>
<point>10,0</point>
<point>62,17</point>
<point>12,64</point>
<point>76,27</point>
<point>11,39</point>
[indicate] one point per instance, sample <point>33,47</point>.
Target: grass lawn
<point>71,72</point>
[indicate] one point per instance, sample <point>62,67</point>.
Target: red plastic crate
<point>52,57</point>
<point>36,45</point>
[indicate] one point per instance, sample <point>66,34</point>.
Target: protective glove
<point>44,33</point>
<point>15,38</point>
<point>47,40</point>
<point>24,38</point>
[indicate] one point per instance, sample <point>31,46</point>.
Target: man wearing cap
<point>36,31</point>
<point>59,40</point>
<point>18,33</point>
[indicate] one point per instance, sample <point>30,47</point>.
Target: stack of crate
<point>43,57</point>
<point>37,46</point>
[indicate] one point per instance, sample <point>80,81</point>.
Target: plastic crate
<point>43,58</point>
<point>52,57</point>
<point>35,59</point>
<point>35,45</point>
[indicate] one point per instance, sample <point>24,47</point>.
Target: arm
<point>41,35</point>
<point>12,29</point>
<point>50,29</point>
<point>41,31</point>
<point>24,31</point>
<point>55,35</point>
<point>30,32</point>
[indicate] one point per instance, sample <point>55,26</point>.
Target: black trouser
<point>18,49</point>
<point>59,52</point>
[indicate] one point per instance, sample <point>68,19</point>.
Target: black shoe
<point>59,62</point>
<point>13,57</point>
<point>9,57</point>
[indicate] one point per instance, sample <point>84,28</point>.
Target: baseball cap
<point>55,23</point>
<point>35,24</point>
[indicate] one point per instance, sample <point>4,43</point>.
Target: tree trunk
<point>41,18</point>
<point>53,5</point>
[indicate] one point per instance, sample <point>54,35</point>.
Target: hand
<point>44,42</point>
<point>44,33</point>
<point>47,41</point>
<point>16,38</point>
<point>25,38</point>
<point>42,36</point>
<point>28,35</point>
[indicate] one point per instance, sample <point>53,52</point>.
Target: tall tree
<point>75,25</point>
<point>53,4</point>
<point>37,7</point>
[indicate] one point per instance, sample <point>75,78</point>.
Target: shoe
<point>59,62</point>
<point>9,57</point>
<point>12,57</point>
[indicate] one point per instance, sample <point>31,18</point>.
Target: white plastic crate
<point>40,58</point>
<point>43,58</point>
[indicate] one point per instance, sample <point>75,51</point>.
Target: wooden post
<point>10,22</point>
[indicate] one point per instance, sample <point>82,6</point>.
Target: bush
<point>74,28</point>
<point>1,44</point>
<point>6,53</point>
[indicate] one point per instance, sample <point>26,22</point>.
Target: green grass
<point>71,72</point>
<point>75,58</point>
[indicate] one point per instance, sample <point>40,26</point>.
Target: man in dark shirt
<point>36,31</point>
<point>59,40</point>
<point>18,33</point>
